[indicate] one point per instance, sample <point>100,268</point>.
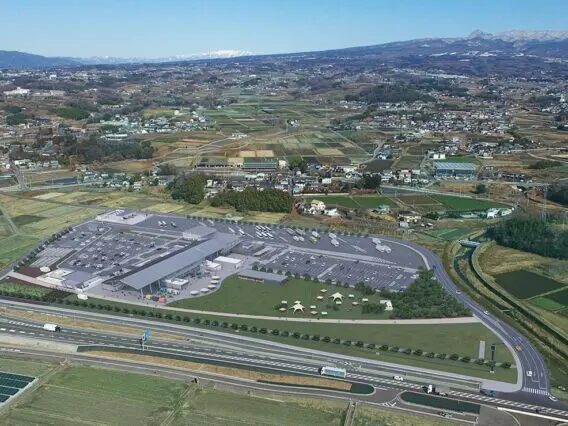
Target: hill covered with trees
<point>532,234</point>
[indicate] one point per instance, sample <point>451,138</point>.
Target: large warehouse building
<point>149,277</point>
<point>454,169</point>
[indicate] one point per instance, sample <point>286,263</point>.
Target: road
<point>220,348</point>
<point>528,360</point>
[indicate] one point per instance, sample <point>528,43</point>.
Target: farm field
<point>459,203</point>
<point>525,284</point>
<point>354,201</point>
<point>216,407</point>
<point>450,233</point>
<point>36,219</point>
<point>81,394</point>
<point>367,416</point>
<point>547,304</point>
<point>246,297</point>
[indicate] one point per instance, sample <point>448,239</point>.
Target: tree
<point>296,162</point>
<point>190,189</point>
<point>480,188</point>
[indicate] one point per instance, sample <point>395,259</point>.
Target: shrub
<point>326,339</point>
<point>285,333</point>
<point>441,356</point>
<point>506,364</point>
<point>454,357</point>
<point>178,318</point>
<point>305,337</point>
<point>296,335</point>
<point>395,349</point>
<point>418,352</point>
<point>430,355</point>
<point>186,319</point>
<point>384,347</point>
<point>337,340</point>
<point>371,346</point>
<point>244,327</point>
<point>347,342</point>
<point>275,332</point>
<point>263,330</point>
<point>480,361</point>
<point>315,338</point>
<point>407,351</point>
<point>253,329</point>
<point>465,359</point>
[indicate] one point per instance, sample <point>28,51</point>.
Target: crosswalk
<point>535,391</point>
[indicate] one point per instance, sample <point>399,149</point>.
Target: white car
<point>398,378</point>
<point>529,373</point>
<point>552,398</point>
<point>458,292</point>
<point>486,312</point>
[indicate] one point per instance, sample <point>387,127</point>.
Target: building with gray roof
<point>450,168</point>
<point>262,277</point>
<point>177,264</point>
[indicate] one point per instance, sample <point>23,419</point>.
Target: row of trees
<point>251,199</point>
<point>275,332</point>
<point>558,193</point>
<point>532,234</point>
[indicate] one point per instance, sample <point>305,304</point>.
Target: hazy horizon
<point>147,29</point>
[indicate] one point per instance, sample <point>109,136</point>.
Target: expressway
<point>536,387</point>
<point>226,349</point>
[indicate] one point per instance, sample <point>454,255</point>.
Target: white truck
<point>51,327</point>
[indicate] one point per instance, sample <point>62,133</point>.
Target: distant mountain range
<point>543,44</point>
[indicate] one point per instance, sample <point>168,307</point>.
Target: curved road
<point>528,360</point>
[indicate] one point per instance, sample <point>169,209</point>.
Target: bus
<point>333,372</point>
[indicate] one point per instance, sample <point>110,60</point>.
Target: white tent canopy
<point>297,307</point>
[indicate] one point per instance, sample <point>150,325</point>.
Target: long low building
<point>181,263</point>
<point>262,277</point>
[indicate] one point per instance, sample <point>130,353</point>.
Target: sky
<point>162,28</point>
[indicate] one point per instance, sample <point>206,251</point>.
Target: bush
<point>430,355</point>
<point>371,346</point>
<point>347,342</point>
<point>418,352</point>
<point>465,359</point>
<point>506,364</point>
<point>244,327</point>
<point>305,337</point>
<point>441,356</point>
<point>407,351</point>
<point>337,340</point>
<point>275,332</point>
<point>454,357</point>
<point>253,329</point>
<point>359,344</point>
<point>263,331</point>
<point>178,318</point>
<point>395,349</point>
<point>296,335</point>
<point>480,361</point>
<point>285,333</point>
<point>186,319</point>
<point>316,338</point>
<point>326,339</point>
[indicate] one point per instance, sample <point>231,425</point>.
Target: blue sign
<point>147,334</point>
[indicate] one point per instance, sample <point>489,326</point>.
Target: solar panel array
<point>11,384</point>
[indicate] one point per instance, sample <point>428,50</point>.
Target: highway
<point>536,387</point>
<point>232,350</point>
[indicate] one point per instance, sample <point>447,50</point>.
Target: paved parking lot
<point>105,249</point>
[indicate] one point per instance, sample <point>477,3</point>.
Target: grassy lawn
<point>450,233</point>
<point>216,407</point>
<point>83,394</point>
<point>525,284</point>
<point>15,246</point>
<point>246,297</point>
<point>546,303</point>
<point>465,204</point>
<point>559,297</point>
<point>462,339</point>
<point>25,366</point>
<point>90,395</point>
<point>371,416</point>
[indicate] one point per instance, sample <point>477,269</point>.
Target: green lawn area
<point>354,201</point>
<point>465,204</point>
<point>25,366</point>
<point>462,339</point>
<point>449,233</point>
<point>246,297</point>
<point>85,395</point>
<point>215,407</point>
<point>15,246</point>
<point>546,303</point>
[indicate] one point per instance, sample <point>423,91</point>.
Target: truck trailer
<point>51,327</point>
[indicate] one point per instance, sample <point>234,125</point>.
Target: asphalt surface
<point>361,258</point>
<point>203,346</point>
<point>529,359</point>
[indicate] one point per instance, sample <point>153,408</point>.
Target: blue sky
<point>158,28</point>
